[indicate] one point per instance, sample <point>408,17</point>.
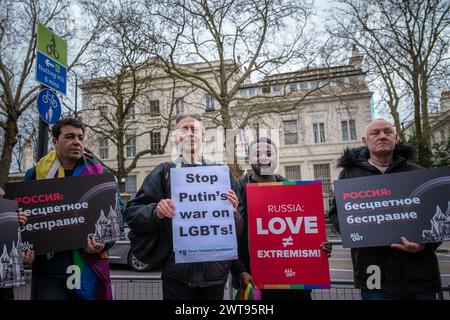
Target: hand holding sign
<point>22,217</point>
<point>165,209</point>
<point>233,199</point>
<point>408,246</point>
<point>93,246</point>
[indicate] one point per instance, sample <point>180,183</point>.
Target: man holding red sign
<point>277,231</point>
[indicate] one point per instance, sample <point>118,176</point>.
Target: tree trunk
<point>417,117</point>
<point>230,143</point>
<point>11,133</point>
<point>425,124</point>
<point>397,123</point>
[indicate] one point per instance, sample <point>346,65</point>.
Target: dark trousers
<point>7,294</point>
<point>177,290</point>
<point>51,288</point>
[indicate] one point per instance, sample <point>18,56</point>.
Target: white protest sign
<point>203,227</point>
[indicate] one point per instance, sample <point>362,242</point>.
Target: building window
<point>155,141</point>
<point>130,145</point>
<point>323,83</point>
<point>290,132</point>
<point>352,80</point>
<point>103,112</point>
<point>322,172</point>
<point>293,86</point>
<point>131,112</point>
<point>319,132</point>
<point>250,92</point>
<point>130,184</point>
<point>255,127</point>
<point>209,102</point>
<point>266,90</point>
<point>103,150</point>
<point>292,172</point>
<point>211,134</point>
<point>304,85</point>
<point>154,108</point>
<point>348,130</point>
<point>276,89</point>
<point>179,105</point>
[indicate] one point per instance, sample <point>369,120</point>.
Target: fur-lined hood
<point>350,157</point>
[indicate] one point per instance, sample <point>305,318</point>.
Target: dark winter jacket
<point>243,264</point>
<point>401,272</point>
<point>140,215</point>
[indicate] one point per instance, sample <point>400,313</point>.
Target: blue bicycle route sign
<point>49,106</point>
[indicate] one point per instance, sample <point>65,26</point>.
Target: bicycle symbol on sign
<point>51,48</point>
<point>53,105</point>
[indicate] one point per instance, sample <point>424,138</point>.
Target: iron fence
<point>149,287</point>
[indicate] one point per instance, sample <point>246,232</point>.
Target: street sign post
<point>49,106</point>
<point>51,71</point>
<point>51,74</point>
<point>51,62</point>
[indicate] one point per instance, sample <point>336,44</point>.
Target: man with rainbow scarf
<point>50,271</point>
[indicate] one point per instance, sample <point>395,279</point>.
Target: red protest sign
<point>286,227</point>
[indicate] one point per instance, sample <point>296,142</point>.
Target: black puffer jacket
<point>401,272</point>
<point>140,216</point>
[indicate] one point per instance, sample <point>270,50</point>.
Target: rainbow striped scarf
<point>95,279</point>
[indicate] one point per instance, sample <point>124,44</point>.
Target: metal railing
<point>149,287</point>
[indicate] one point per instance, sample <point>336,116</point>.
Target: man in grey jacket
<point>151,213</point>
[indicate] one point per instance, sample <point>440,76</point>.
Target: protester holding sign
<point>149,216</point>
<point>51,271</point>
<point>408,270</point>
<point>27,257</point>
<point>264,161</point>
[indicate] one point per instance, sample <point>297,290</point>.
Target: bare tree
<point>120,108</point>
<point>405,41</point>
<point>236,41</point>
<point>18,90</point>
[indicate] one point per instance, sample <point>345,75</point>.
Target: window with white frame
<point>348,128</point>
<point>130,184</point>
<point>293,86</point>
<point>319,132</point>
<point>130,145</point>
<point>211,141</point>
<point>103,112</point>
<point>179,105</point>
<point>290,132</point>
<point>276,89</point>
<point>155,141</point>
<point>103,148</point>
<point>154,108</point>
<point>322,172</point>
<point>209,102</point>
<point>131,112</point>
<point>304,85</point>
<point>293,172</point>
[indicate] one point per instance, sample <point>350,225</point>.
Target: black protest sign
<point>11,266</point>
<point>379,210</point>
<point>63,212</point>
